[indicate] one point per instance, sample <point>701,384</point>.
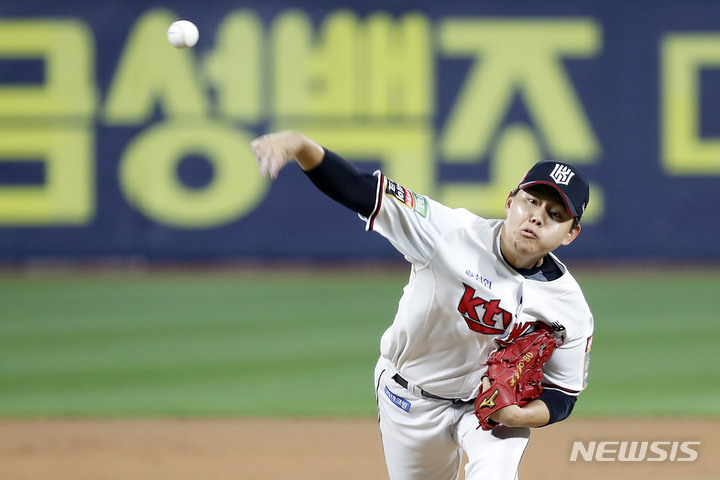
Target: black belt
<point>404,383</point>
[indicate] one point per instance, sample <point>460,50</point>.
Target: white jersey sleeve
<point>561,304</point>
<point>407,221</point>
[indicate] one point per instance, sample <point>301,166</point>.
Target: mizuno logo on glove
<point>489,402</point>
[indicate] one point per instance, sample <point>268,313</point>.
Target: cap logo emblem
<point>562,174</point>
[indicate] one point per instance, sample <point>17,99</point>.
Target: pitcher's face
<point>537,223</point>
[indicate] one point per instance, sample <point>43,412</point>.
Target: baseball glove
<point>515,373</point>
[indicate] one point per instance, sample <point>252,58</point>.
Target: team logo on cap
<point>562,174</point>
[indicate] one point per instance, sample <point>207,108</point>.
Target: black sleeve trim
<point>558,403</point>
<point>345,184</point>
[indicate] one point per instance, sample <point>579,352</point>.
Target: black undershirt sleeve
<point>341,181</point>
<point>558,403</point>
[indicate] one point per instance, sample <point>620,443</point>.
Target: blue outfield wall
<point>114,144</point>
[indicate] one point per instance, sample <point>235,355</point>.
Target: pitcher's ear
<point>572,235</point>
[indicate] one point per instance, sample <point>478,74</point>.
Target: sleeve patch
<point>408,198</point>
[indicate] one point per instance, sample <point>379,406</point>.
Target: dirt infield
<point>312,449</point>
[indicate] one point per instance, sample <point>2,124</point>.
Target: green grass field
<point>297,343</point>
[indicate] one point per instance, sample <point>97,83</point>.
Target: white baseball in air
<point>183,34</point>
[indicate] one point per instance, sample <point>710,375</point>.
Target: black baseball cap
<point>564,178</point>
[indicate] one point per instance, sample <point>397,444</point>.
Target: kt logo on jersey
<point>484,316</point>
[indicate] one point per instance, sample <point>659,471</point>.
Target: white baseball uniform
<point>461,294</point>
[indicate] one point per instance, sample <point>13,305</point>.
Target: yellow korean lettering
<point>684,150</point>
<point>56,129</point>
<point>376,67</point>
<point>149,179</point>
<point>152,74</point>
<point>525,57</point>
<point>67,195</point>
<point>234,66</point>
<point>396,69</point>
<point>314,76</point>
<point>66,49</point>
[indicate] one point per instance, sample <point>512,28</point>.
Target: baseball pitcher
<point>492,334</point>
